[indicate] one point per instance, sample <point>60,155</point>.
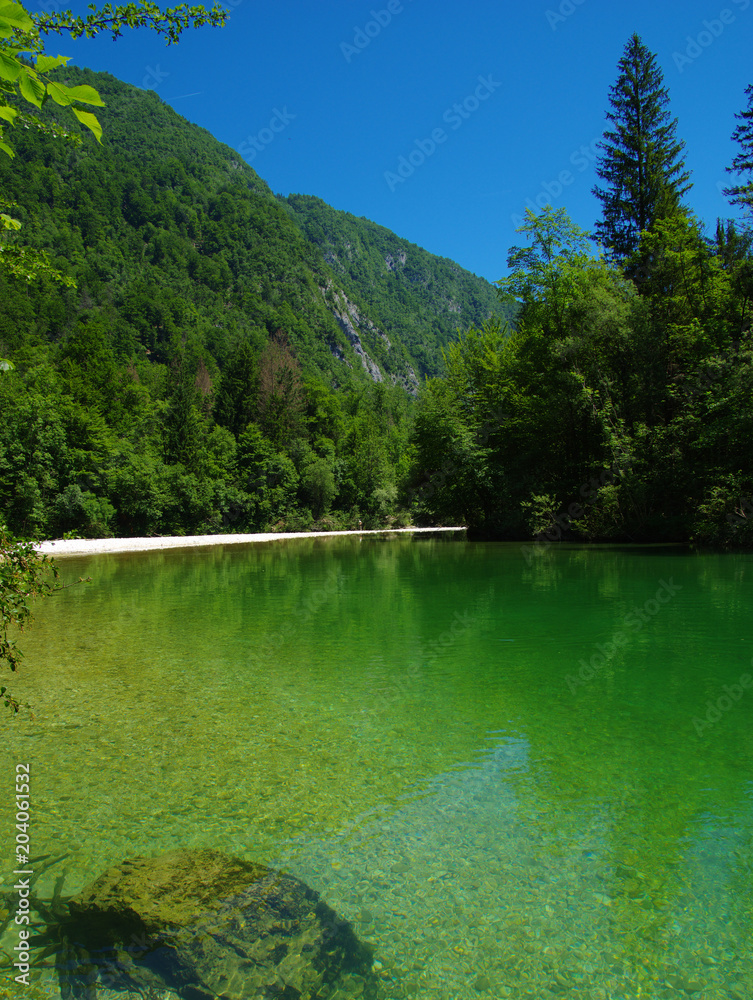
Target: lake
<point>519,773</point>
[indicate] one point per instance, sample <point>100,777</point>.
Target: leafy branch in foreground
<point>25,74</point>
<point>30,264</point>
<point>19,44</point>
<point>24,575</point>
<point>169,23</point>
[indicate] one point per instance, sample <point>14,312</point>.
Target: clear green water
<point>392,721</point>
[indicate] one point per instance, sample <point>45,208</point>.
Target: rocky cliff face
<point>350,320</point>
<point>355,326</point>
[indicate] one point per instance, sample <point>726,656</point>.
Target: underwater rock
<point>207,925</point>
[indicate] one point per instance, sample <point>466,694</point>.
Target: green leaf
<point>6,149</point>
<point>15,15</point>
<point>8,114</point>
<point>59,94</point>
<point>8,222</point>
<point>9,67</point>
<point>31,87</point>
<point>6,366</point>
<point>67,95</point>
<point>46,63</point>
<point>85,94</point>
<point>90,120</point>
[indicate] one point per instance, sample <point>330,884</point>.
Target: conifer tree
<point>641,158</point>
<point>742,194</point>
<point>236,405</point>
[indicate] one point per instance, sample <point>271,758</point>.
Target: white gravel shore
<point>103,546</point>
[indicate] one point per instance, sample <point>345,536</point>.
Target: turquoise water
<point>519,774</point>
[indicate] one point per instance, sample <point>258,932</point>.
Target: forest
<point>618,406</point>
<point>199,366</point>
<point>186,352</point>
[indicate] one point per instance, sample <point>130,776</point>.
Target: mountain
<point>207,223</point>
<point>408,292</point>
<point>217,366</point>
<point>173,235</point>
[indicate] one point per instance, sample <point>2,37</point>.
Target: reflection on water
<point>491,767</point>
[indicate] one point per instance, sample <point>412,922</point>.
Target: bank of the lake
<point>105,546</point>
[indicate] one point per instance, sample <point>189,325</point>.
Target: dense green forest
<point>222,359</point>
<point>423,298</point>
<point>208,372</point>
<point>622,405</point>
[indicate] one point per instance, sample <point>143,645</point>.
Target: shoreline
<point>106,546</point>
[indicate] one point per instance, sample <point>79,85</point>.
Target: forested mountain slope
<point>183,233</point>
<point>209,371</point>
<point>410,292</point>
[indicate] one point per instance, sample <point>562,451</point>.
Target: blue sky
<point>442,120</point>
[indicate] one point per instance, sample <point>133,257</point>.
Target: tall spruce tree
<point>742,194</point>
<point>641,159</point>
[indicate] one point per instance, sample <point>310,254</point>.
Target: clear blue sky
<point>332,99</point>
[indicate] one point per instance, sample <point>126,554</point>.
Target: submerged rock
<point>206,926</point>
